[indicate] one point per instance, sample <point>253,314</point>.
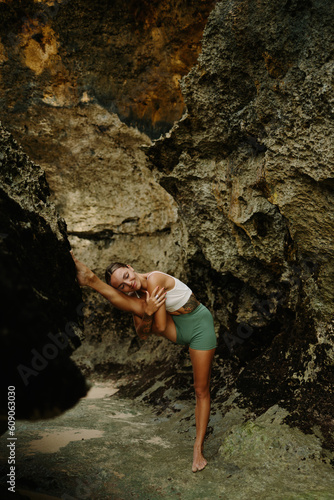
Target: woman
<point>187,322</point>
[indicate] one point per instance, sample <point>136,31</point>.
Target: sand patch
<point>101,391</point>
<point>52,441</point>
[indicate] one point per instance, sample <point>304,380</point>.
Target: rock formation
<point>244,208</point>
<point>251,167</point>
<point>41,306</point>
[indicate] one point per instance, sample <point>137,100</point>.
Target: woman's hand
<point>84,275</point>
<point>154,301</point>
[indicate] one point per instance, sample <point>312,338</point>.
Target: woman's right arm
<point>86,277</point>
<point>144,325</point>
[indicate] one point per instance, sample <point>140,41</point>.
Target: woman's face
<point>125,280</point>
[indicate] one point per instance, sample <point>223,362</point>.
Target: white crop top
<point>177,296</point>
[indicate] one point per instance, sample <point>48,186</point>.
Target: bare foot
<point>84,274</point>
<point>199,462</point>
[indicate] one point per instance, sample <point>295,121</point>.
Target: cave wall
<point>250,166</point>
<point>41,304</point>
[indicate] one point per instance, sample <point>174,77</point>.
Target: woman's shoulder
<point>159,278</point>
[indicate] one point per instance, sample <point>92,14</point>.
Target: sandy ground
<point>112,448</point>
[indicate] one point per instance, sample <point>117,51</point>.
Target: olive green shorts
<point>196,329</point>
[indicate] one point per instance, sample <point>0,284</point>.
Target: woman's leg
<point>201,361</point>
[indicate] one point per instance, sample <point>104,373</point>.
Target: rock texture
<point>251,167</point>
<point>41,318</point>
<point>128,56</point>
<point>97,172</point>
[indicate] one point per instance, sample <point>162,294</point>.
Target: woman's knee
<point>202,391</point>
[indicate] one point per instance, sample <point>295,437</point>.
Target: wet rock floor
<point>113,448</point>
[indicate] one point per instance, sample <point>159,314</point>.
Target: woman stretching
<point>166,306</point>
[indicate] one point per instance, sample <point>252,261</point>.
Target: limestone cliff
<point>251,167</point>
